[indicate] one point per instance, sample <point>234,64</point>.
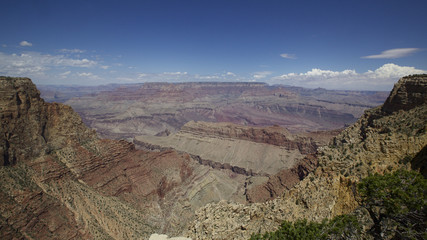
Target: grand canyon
<point>196,160</point>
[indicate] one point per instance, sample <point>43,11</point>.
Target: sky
<point>355,45</point>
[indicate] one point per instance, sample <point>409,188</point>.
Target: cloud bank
<point>34,63</point>
<point>394,53</point>
<point>382,78</point>
<point>69,68</point>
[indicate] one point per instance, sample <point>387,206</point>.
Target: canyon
<point>51,162</point>
<point>200,160</point>
<point>385,138</point>
<point>125,111</point>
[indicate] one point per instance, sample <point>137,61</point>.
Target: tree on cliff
<point>396,203</point>
<point>340,227</point>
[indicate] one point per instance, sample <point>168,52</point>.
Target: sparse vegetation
<point>396,203</point>
<point>341,227</point>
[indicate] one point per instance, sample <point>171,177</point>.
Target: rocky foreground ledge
<point>385,138</point>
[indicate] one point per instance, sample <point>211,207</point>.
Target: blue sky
<point>363,45</point>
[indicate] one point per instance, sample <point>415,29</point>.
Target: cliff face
<point>274,135</point>
<point>408,93</point>
<point>252,150</point>
<point>272,158</point>
<point>30,127</point>
<point>60,181</point>
<point>383,139</point>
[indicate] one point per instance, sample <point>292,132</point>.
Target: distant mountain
<point>126,111</point>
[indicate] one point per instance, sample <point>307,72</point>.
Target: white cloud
<point>394,53</point>
<point>382,78</point>
<point>34,63</point>
<point>85,74</point>
<point>175,73</point>
<point>208,77</point>
<point>391,70</point>
<point>65,73</point>
<point>75,50</point>
<point>25,44</point>
<point>183,77</point>
<point>89,75</point>
<point>105,67</point>
<point>288,56</point>
<point>4,45</point>
<point>261,75</point>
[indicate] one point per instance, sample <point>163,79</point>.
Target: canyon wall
<point>59,180</point>
<point>383,139</point>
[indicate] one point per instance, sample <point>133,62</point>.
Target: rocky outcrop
<point>284,180</point>
<point>409,92</point>
<point>378,142</point>
<point>60,181</point>
<point>30,127</point>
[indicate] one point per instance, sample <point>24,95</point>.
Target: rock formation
<point>255,150</point>
<point>152,108</point>
<point>409,92</point>
<point>104,189</point>
<point>383,139</point>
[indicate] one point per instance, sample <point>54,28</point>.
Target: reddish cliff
<point>274,135</point>
<point>60,181</point>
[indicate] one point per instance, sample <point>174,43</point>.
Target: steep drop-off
<point>60,181</point>
<point>261,151</point>
<point>383,139</point>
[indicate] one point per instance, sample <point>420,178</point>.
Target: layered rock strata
<point>52,163</point>
<point>251,150</point>
<point>383,139</point>
<point>153,108</point>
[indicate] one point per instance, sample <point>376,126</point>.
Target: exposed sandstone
<point>409,92</point>
<point>380,141</point>
<point>104,189</point>
<point>244,149</point>
<point>284,180</point>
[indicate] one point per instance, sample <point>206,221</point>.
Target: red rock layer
<point>274,135</point>
<point>282,181</point>
<point>46,149</point>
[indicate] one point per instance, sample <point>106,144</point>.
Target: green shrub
<point>396,203</point>
<point>341,227</point>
